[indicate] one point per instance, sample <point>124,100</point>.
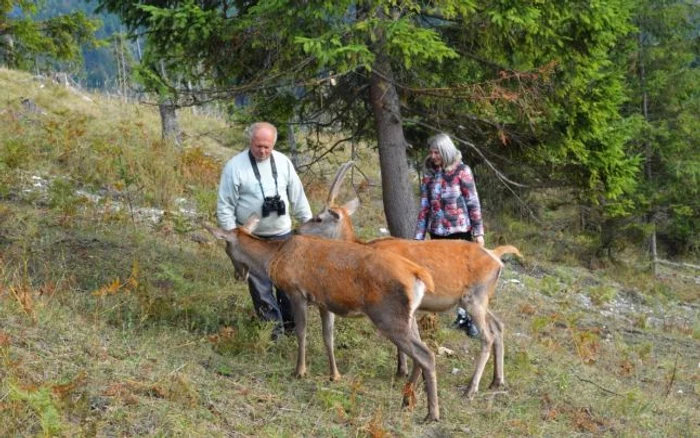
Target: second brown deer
<point>347,279</point>
<point>465,275</point>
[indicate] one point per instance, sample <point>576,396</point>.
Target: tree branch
<point>599,387</point>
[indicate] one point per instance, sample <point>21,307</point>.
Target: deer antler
<point>337,181</point>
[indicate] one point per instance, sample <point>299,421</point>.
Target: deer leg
<point>487,340</point>
<point>327,321</point>
<point>498,351</point>
<point>425,358</point>
<point>299,308</point>
<point>401,365</point>
<point>409,398</point>
<point>424,361</point>
<point>399,331</point>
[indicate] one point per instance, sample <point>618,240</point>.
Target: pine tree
<point>664,75</point>
<point>29,43</point>
<point>536,76</point>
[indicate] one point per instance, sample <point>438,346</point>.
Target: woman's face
<point>435,156</point>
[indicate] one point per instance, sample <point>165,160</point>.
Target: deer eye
<point>318,219</point>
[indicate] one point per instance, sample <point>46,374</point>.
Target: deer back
<point>454,264</point>
<point>346,277</point>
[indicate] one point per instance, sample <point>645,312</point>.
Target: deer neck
<point>347,231</point>
<point>258,253</point>
<point>349,235</point>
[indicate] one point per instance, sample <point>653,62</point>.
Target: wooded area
<point>597,100</point>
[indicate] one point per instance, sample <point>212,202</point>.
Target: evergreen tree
<point>664,75</point>
<point>536,76</point>
<point>30,43</point>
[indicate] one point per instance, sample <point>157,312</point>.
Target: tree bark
<point>397,190</point>
<point>291,139</point>
<point>168,118</point>
<point>649,155</point>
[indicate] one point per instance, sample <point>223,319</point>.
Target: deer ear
<point>252,223</point>
<point>351,206</point>
<point>218,232</point>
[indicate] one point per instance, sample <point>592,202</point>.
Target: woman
<point>449,202</point>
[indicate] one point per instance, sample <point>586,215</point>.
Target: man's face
<point>261,143</point>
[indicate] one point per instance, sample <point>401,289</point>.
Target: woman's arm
<point>470,194</point>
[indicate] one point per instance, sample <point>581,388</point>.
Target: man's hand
<point>479,240</point>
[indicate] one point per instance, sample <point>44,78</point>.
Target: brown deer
<point>464,273</point>
<point>347,279</point>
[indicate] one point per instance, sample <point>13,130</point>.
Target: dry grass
<point>112,326</point>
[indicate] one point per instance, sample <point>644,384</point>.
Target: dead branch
<point>684,265</point>
<point>673,378</point>
<point>599,387</point>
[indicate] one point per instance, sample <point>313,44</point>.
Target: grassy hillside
<point>120,317</point>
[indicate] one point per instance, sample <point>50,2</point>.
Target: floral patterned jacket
<point>449,202</point>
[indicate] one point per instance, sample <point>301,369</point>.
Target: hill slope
<point>118,317</point>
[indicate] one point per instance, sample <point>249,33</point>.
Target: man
<point>263,181</point>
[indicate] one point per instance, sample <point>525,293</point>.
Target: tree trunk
<point>168,118</point>
<point>291,139</point>
<point>397,190</point>
<point>648,155</point>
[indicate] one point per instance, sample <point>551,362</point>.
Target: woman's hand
<point>479,240</point>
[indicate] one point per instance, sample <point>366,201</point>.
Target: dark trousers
<point>267,306</point>
<point>455,236</point>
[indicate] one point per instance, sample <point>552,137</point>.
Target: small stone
<point>443,351</point>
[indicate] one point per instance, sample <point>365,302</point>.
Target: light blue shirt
<point>240,194</point>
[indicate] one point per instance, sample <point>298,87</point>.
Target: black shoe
<point>282,330</point>
<point>277,333</point>
<point>464,322</point>
<point>471,329</point>
<point>289,328</point>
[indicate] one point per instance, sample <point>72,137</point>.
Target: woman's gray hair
<point>447,149</point>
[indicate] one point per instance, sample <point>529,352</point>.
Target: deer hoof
<point>469,392</point>
<point>431,418</point>
<point>497,384</point>
<point>335,377</point>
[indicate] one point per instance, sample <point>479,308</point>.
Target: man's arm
<point>227,199</point>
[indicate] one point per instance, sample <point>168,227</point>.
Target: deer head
<point>240,269</point>
<point>333,221</point>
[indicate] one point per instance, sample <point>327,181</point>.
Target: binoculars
<point>273,204</point>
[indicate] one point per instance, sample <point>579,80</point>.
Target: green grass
<point>113,325</point>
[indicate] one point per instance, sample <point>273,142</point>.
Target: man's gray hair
<point>252,129</point>
<point>447,149</point>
